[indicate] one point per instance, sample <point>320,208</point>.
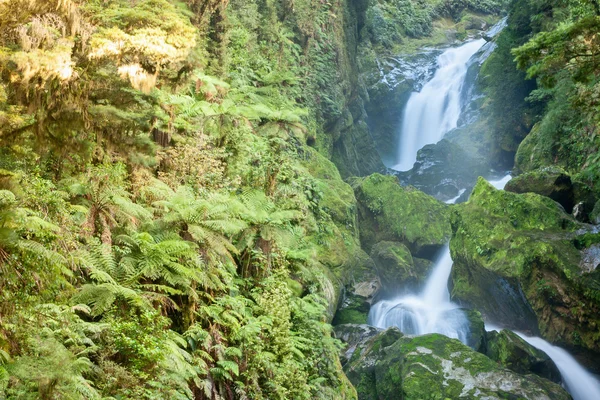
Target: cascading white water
<point>580,383</point>
<point>429,312</point>
<point>435,110</point>
<point>500,183</point>
<point>453,200</point>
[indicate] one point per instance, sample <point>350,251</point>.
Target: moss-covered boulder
<point>553,182</point>
<point>535,151</point>
<point>477,339</point>
<point>397,269</point>
<point>390,212</point>
<point>518,258</point>
<point>391,366</point>
<point>514,353</point>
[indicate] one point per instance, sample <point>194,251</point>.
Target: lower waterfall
<point>429,312</point>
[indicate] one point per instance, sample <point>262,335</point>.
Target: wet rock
<point>353,335</point>
<point>443,169</point>
<point>390,212</point>
<point>514,353</point>
<point>391,366</point>
<point>477,338</point>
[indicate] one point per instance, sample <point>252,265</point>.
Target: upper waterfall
<point>435,110</point>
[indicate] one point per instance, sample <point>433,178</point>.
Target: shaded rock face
<point>353,336</point>
<point>391,366</point>
<point>390,212</point>
<point>518,259</point>
<point>353,150</point>
<point>514,353</point>
<point>348,139</point>
<point>499,299</point>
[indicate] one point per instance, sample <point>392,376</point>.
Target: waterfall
<point>429,312</point>
<point>435,110</point>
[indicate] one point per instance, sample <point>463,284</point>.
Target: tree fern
<point>208,221</point>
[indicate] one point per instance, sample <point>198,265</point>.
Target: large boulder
<point>519,259</point>
<point>574,195</point>
<point>390,212</point>
<point>391,366</point>
<point>514,353</point>
<point>397,270</point>
<point>553,182</point>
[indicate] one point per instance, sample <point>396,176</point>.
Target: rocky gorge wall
<point>525,258</point>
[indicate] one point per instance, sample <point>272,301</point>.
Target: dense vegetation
<point>162,223</point>
<point>170,223</point>
<point>542,78</point>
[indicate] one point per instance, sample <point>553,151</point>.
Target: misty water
<point>435,110</point>
<point>427,117</point>
<point>427,312</point>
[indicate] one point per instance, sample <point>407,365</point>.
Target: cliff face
<point>352,147</point>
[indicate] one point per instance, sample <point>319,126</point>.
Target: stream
<point>427,117</point>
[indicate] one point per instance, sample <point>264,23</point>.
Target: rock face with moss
<point>397,270</point>
<point>554,182</point>
<point>390,212</point>
<point>519,259</point>
<point>391,366</point>
<point>514,353</point>
<point>344,264</point>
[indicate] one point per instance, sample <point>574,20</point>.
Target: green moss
<point>586,240</point>
<point>350,316</point>
<point>525,247</point>
<point>436,367</point>
<point>512,352</point>
<point>390,212</point>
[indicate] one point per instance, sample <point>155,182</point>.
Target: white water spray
<point>429,312</point>
<point>500,183</point>
<point>435,110</point>
<point>453,200</point>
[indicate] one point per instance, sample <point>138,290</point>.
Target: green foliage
<point>155,207</point>
<point>560,53</point>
